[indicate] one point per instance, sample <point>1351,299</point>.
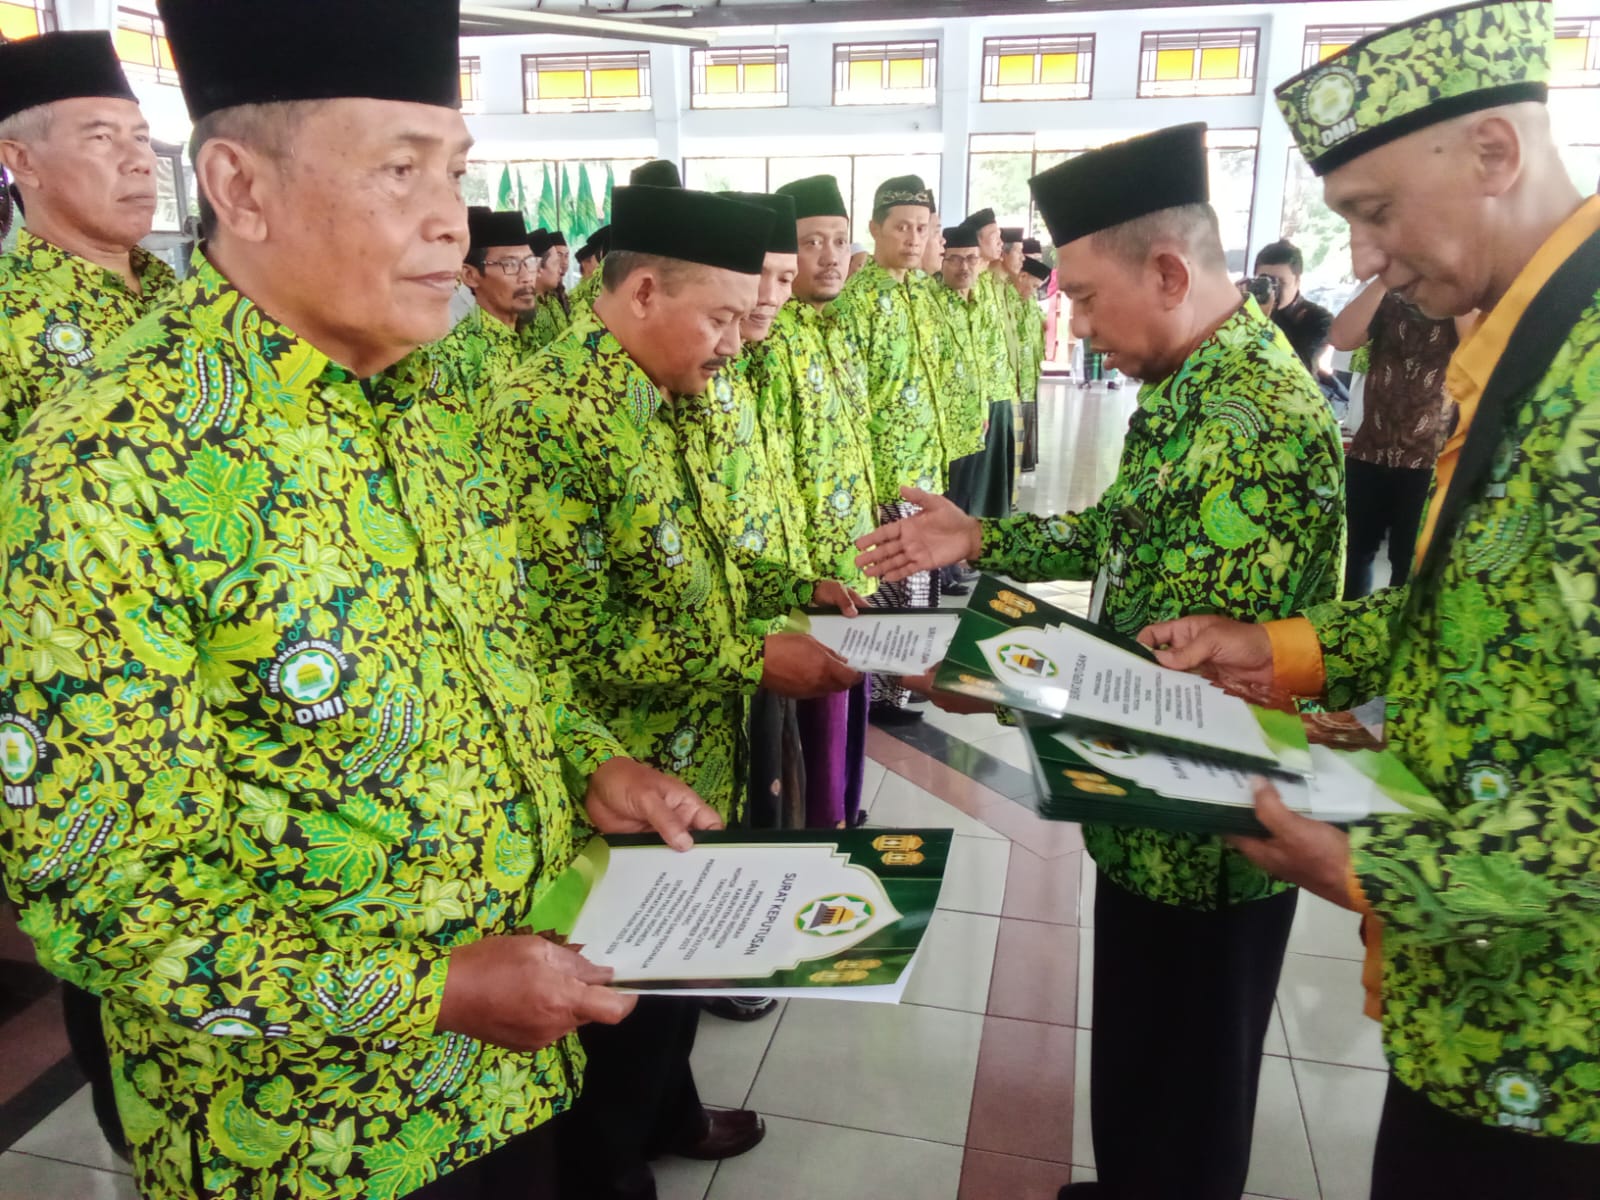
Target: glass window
<point>1055,68</point>
<point>573,196</point>
<point>26,18</point>
<point>471,96</point>
<point>725,174</point>
<point>1206,62</point>
<point>1324,41</point>
<point>1320,233</point>
<point>745,77</point>
<point>1575,60</point>
<point>567,83</point>
<point>1231,155</point>
<point>885,73</point>
<point>141,43</point>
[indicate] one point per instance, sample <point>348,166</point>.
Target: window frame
<point>777,57</point>
<point>161,68</point>
<point>1589,29</point>
<point>1343,36</point>
<point>847,53</point>
<point>1151,47</point>
<point>44,16</point>
<point>996,48</point>
<point>588,63</point>
<point>472,69</point>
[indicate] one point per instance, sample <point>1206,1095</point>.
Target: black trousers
<point>522,1169</point>
<point>964,480</point>
<point>80,1012</point>
<point>1382,502</point>
<point>1425,1151</point>
<point>639,1101</point>
<point>1181,1005</point>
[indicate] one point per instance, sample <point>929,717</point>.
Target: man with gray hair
<point>284,770</point>
<point>75,142</point>
<point>1230,499</point>
<point>78,148</point>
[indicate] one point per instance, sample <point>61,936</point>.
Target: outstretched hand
<point>938,536</point>
<point>625,796</point>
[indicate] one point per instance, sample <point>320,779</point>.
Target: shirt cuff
<point>1358,895</point>
<point>1296,657</point>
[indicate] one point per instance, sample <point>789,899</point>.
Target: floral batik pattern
<point>1229,499</point>
<point>57,312</point>
<point>1491,917</point>
<point>274,739</point>
<point>636,590</point>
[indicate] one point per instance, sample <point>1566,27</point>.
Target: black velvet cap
<point>233,52</point>
<point>960,237</point>
<point>585,252</point>
<point>557,238</point>
<point>496,229</point>
<point>815,196</point>
<point>981,218</point>
<point>783,239</point>
<point>1036,268</point>
<point>658,172</point>
<point>539,242</point>
<point>59,66</point>
<point>695,227</point>
<point>902,189</point>
<point>1032,246</point>
<point>1011,235</point>
<point>1110,186</point>
<point>597,245</point>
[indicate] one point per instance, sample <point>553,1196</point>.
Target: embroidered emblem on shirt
<point>69,341</point>
<point>309,675</point>
<point>21,749</point>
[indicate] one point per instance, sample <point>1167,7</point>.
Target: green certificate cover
<point>835,913</point>
<point>1017,651</point>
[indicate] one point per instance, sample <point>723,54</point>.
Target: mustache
<point>713,365</point>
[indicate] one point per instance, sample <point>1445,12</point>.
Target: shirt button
<point>1481,943</point>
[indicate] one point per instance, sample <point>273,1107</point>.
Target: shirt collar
<point>1475,359</point>
<point>153,274</point>
<point>642,399</point>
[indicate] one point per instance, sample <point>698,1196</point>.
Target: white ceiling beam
<point>592,26</point>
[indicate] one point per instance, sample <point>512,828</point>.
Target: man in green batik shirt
<point>499,271</point>
<point>282,773</point>
<point>743,460</point>
<point>883,312</point>
<point>73,138</point>
<point>74,141</point>
<point>1482,922</point>
<point>640,597</point>
<point>1230,497</point>
<point>551,314</point>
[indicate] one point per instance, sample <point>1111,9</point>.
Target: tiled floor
<point>976,1087</point>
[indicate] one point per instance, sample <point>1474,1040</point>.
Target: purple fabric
<point>833,741</point>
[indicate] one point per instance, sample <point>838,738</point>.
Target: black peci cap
<point>496,229</point>
<point>696,227</point>
<point>235,52</point>
<point>1103,188</point>
<point>783,239</point>
<point>960,237</point>
<point>658,172</point>
<point>815,196</point>
<point>59,66</point>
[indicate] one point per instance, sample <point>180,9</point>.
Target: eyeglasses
<point>970,259</point>
<point>513,266</point>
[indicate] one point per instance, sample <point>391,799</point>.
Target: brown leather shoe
<point>731,1132</point>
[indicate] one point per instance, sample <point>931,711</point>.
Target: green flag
<point>549,211</point>
<point>508,197</point>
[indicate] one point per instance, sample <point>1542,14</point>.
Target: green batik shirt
<point>639,595</point>
<point>964,387</point>
<point>1000,311</point>
<point>1491,914</point>
<point>580,300</point>
<point>743,466</point>
<point>273,744</point>
<point>483,350</point>
<point>811,383</point>
<point>1032,332</point>
<point>1229,499</point>
<point>57,312</point>
<point>894,335</point>
<point>545,323</point>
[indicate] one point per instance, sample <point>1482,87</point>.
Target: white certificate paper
<point>890,644</point>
